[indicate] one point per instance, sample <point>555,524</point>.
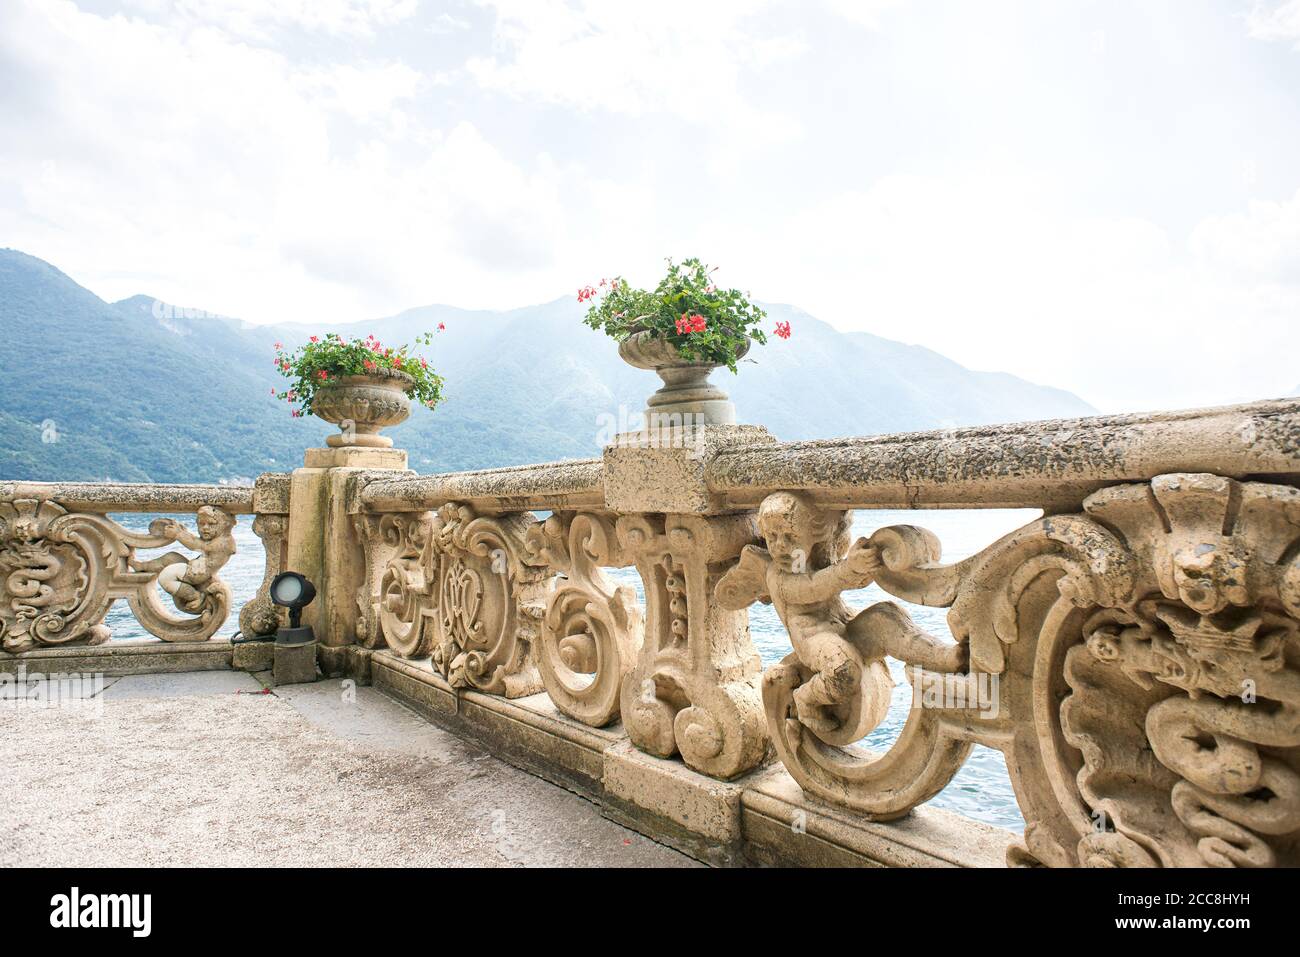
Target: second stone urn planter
<point>687,397</point>
<point>361,405</point>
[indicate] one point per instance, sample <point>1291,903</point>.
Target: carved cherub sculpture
<point>807,563</point>
<point>187,579</point>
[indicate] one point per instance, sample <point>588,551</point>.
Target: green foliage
<point>703,320</point>
<point>320,362</point>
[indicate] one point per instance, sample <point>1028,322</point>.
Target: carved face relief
<point>1196,663</point>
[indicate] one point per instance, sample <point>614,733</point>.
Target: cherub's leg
<point>885,629</point>
<point>159,563</point>
<point>836,677</point>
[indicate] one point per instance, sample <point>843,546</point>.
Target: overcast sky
<point>1099,196</point>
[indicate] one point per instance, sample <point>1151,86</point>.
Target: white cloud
<point>1262,243</point>
<point>258,19</point>
<point>679,57</point>
<point>1006,202</point>
<point>1275,21</point>
<point>224,180</point>
<point>866,13</point>
<point>989,271</point>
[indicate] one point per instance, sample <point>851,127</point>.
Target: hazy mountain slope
<point>137,397</point>
<point>127,398</point>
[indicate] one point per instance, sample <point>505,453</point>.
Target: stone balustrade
<point>1134,653</point>
<point>64,561</point>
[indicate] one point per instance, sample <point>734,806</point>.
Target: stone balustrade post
<point>323,544</point>
<point>694,688</point>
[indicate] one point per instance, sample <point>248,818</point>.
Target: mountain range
<point>138,391</point>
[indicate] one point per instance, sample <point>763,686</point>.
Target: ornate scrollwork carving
<point>407,598</point>
<point>694,687</point>
<point>389,545</point>
<point>1183,695</point>
<point>60,572</point>
<point>836,687</point>
<point>261,616</point>
<point>591,629</point>
<point>1148,652</point>
<point>462,590</point>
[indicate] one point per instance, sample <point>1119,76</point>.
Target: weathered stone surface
<point>324,546</point>
<point>124,658</point>
<point>182,685</point>
<point>261,616</point>
<point>355,457</point>
<point>783,827</point>
<point>529,732</point>
<point>762,816</point>
<point>132,497</point>
<point>253,655</point>
<point>293,664</point>
<point>310,776</point>
<point>1133,653</point>
<point>574,484</point>
<point>663,470</point>
<point>668,789</point>
<point>1052,465</point>
<point>271,493</point>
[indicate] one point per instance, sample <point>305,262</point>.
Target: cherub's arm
<point>857,570</point>
<point>183,535</point>
<point>746,582</point>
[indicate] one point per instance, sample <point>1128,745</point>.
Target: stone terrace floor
<point>208,769</point>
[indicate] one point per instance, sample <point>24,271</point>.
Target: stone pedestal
<point>294,664</point>
<point>323,543</point>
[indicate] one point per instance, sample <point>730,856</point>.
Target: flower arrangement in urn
<point>683,329</point>
<point>360,385</point>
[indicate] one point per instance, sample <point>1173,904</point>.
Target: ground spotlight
<point>295,592</point>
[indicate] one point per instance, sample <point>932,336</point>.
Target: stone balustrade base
<point>760,818</point>
<point>116,658</point>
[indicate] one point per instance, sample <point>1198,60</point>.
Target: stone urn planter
<point>687,396</point>
<point>361,405</point>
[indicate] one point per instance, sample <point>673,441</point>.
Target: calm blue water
<point>981,790</point>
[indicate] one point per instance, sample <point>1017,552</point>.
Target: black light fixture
<point>295,592</point>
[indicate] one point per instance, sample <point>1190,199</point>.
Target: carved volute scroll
<point>462,590</point>
<point>1173,646</point>
<point>694,687</point>
<point>261,616</point>
<point>390,546</point>
<point>60,572</point>
<point>407,595</point>
<point>1147,652</point>
<point>592,629</point>
<point>835,687</point>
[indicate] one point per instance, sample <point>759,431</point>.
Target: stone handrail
<point>1049,464</point>
<point>64,562</point>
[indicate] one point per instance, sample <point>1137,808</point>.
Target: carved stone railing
<point>1135,653</point>
<point>64,562</point>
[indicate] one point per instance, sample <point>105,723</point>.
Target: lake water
<point>981,790</point>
